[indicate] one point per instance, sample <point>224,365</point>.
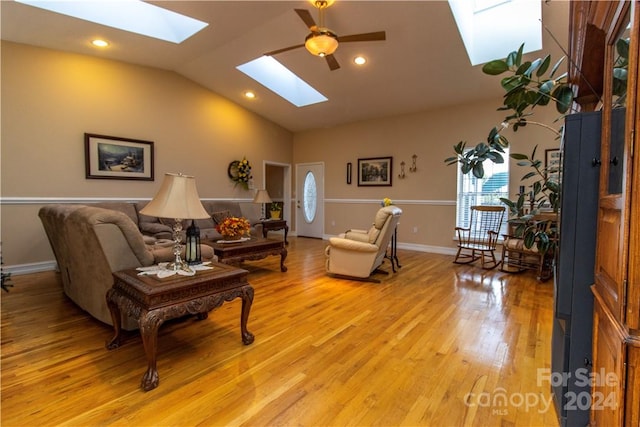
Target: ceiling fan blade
<point>305,15</point>
<point>284,49</point>
<point>332,62</point>
<point>364,37</point>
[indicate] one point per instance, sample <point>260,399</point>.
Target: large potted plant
<point>527,84</point>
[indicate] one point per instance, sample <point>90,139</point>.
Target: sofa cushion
<point>220,216</point>
<point>204,223</point>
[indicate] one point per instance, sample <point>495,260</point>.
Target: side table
<point>275,224</point>
<point>152,300</point>
<point>393,257</point>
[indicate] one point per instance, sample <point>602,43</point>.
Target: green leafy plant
<point>527,84</point>
<point>276,206</point>
<point>530,84</point>
<point>544,193</point>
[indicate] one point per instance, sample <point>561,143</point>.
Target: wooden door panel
<point>608,362</point>
<point>608,269</point>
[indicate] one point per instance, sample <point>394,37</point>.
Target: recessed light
<point>249,94</point>
<point>100,43</point>
<point>360,60</point>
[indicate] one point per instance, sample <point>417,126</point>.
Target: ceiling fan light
<point>322,43</point>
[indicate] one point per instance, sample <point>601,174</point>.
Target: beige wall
<point>427,196</point>
<point>51,98</point>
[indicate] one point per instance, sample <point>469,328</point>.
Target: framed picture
<point>552,163</point>
<point>375,172</point>
<point>110,157</point>
<point>349,173</point>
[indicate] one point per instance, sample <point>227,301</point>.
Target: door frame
<point>286,213</point>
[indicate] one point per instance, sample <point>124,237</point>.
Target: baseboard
<point>35,267</point>
<point>443,250</point>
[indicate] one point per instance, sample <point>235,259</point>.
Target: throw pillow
<point>218,217</point>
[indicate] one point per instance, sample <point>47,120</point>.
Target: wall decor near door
<point>375,172</point>
<point>111,157</point>
<point>349,173</point>
<point>239,171</point>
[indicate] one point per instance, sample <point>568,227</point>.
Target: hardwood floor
<point>436,344</point>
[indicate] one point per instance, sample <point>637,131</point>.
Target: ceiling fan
<point>322,41</point>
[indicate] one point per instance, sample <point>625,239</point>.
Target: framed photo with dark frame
<point>111,157</point>
<point>375,172</point>
<point>552,163</point>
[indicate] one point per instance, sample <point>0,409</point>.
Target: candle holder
<point>192,253</point>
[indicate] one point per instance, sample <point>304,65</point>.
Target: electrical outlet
<point>333,223</point>
<point>415,229</point>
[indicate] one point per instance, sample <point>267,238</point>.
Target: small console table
<point>275,224</point>
<point>151,301</point>
<point>393,256</point>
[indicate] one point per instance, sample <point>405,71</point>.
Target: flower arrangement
<point>386,202</point>
<point>240,172</point>
<point>233,227</point>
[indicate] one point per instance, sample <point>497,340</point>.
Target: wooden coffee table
<point>152,300</point>
<point>254,249</point>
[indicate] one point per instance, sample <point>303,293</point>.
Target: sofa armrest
<point>352,245</point>
<point>358,235</point>
<point>153,228</point>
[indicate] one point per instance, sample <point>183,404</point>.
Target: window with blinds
<point>484,191</point>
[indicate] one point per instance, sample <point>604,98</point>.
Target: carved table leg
<point>247,300</point>
<point>283,255</point>
<point>149,324</point>
<point>115,318</point>
<point>286,231</point>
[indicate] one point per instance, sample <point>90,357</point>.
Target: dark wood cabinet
<point>607,33</point>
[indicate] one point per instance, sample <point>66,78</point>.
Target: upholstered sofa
<point>90,243</point>
<point>154,229</point>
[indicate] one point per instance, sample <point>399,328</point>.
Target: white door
<point>310,200</point>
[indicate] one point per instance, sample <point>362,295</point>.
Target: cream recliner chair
<point>358,253</point>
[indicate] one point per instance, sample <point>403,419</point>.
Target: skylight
<point>492,28</point>
<point>129,15</point>
<point>279,79</point>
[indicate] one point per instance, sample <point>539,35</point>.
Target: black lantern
<point>192,247</point>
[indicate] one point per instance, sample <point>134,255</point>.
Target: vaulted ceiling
<point>422,64</point>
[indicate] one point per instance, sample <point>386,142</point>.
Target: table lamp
<point>177,199</point>
<point>262,197</point>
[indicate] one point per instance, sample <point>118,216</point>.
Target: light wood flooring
<point>435,344</point>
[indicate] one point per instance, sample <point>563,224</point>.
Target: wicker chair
<point>516,257</point>
<point>479,240</point>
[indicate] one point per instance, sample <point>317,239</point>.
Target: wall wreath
<point>239,172</point>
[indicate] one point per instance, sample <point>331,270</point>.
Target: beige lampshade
<point>321,43</point>
<point>177,198</point>
<point>262,196</point>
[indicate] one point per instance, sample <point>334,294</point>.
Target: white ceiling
<point>421,65</point>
